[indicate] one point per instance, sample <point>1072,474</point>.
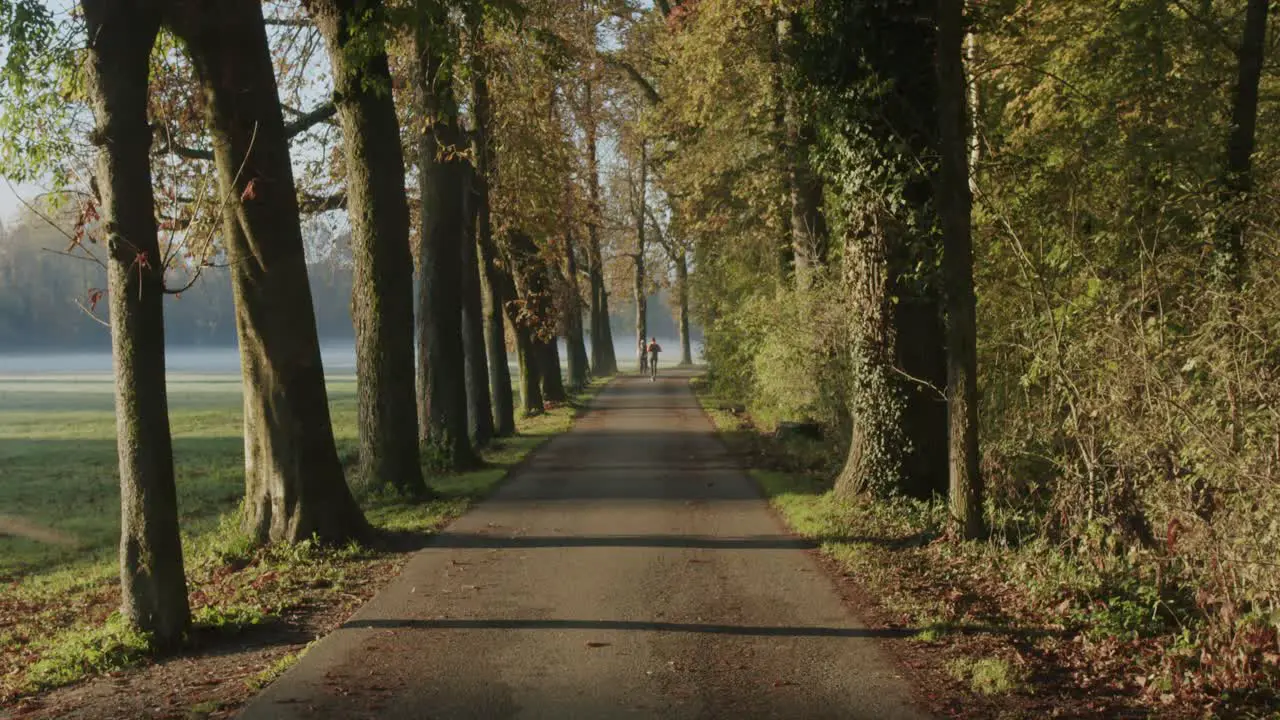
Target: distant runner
<point>654,349</point>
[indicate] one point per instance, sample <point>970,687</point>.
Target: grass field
<point>58,485</point>
<point>58,472</point>
<point>58,461</point>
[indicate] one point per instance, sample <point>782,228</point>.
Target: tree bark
<point>604,361</point>
<point>782,139</point>
<point>954,211</point>
<point>808,226</point>
<point>441,163</point>
<point>638,286</point>
<point>479,406</point>
<point>682,290</point>
<point>899,349</point>
<point>495,333</point>
<point>492,277</point>
<point>531,401</point>
<point>972,58</point>
<point>1238,182</point>
<point>153,588</point>
<point>529,314</point>
<point>382,284</point>
<point>295,486</point>
<point>549,370</point>
<point>575,345</point>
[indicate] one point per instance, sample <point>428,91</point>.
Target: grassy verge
<point>58,621</point>
<point>1040,627</point>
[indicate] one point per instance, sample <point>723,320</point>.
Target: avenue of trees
<point>1035,235</point>
<point>461,142</point>
<point>1040,235</point>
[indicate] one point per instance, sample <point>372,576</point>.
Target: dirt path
<point>629,570</point>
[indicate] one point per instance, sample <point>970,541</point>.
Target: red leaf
<point>250,191</point>
<point>95,294</point>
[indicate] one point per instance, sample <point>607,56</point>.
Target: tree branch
<point>315,204</point>
<point>629,70</point>
<point>289,22</point>
<point>168,145</point>
<point>306,121</point>
<point>302,123</point>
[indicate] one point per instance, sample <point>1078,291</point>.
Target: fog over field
<point>339,359</point>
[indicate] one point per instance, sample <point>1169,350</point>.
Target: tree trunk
<point>972,50</point>
<point>531,402</point>
<point>808,225</point>
<point>295,486</point>
<point>441,361</point>
<point>479,407</point>
<point>382,282</point>
<point>153,588</point>
<point>682,288</point>
<point>782,139</point>
<point>528,313</point>
<point>549,370</point>
<point>492,277</point>
<point>899,350</point>
<point>495,333</point>
<point>604,361</point>
<point>638,286</point>
<point>579,371</point>
<point>1238,182</point>
<point>954,210</point>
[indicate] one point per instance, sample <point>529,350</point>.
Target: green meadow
<point>58,477</point>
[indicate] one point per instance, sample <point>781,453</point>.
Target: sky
<point>10,206</point>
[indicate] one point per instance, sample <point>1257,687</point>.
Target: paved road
<point>628,571</point>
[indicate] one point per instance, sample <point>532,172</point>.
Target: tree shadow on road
<point>675,627</point>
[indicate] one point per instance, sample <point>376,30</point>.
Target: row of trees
<point>46,299</point>
<point>469,153</point>
<point>774,128</point>
<point>1119,158</point>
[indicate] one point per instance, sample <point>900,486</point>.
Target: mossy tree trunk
<point>153,588</point>
<point>899,352</point>
<point>382,302</point>
<point>295,487</point>
<point>441,164</point>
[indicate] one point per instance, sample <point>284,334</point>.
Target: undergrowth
<point>1096,610</point>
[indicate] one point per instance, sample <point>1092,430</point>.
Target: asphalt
<point>628,570</point>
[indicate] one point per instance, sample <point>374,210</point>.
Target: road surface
<point>629,570</point>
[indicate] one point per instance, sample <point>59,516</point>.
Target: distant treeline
<point>40,290</point>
